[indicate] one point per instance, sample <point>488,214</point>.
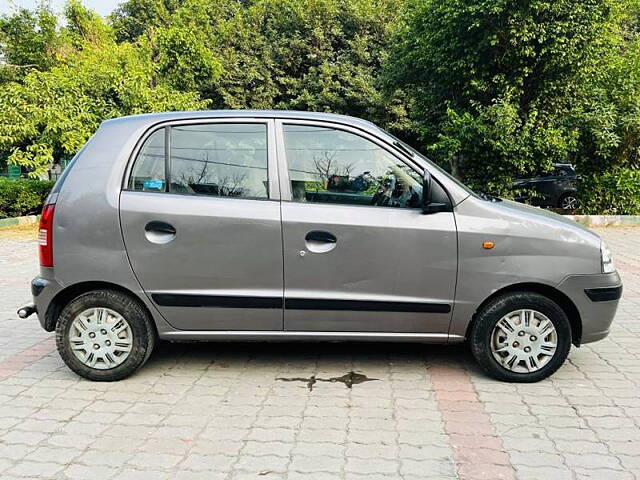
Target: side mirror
<point>427,205</point>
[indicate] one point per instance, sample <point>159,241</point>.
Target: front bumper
<point>596,297</point>
<point>604,294</point>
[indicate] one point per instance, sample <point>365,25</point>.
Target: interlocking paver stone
<point>219,411</point>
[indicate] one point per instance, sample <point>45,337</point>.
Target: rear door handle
<point>320,237</point>
<point>160,227</point>
<point>159,232</point>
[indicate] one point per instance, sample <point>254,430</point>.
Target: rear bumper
<point>43,291</point>
<point>596,297</point>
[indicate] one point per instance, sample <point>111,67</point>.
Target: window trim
<point>273,190</point>
<point>283,164</point>
<point>167,158</point>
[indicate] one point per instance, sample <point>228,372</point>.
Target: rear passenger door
<point>200,215</point>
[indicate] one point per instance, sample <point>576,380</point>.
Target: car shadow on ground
<point>309,357</point>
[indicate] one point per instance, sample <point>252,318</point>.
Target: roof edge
<point>194,114</point>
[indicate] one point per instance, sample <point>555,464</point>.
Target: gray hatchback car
<point>277,225</point>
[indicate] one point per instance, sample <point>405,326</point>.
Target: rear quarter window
<point>148,174</point>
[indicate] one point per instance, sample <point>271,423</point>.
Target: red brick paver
<point>477,450</point>
<point>16,363</point>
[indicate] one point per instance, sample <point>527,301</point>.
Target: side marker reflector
<point>488,245</point>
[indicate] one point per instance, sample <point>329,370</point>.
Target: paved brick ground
<point>220,411</point>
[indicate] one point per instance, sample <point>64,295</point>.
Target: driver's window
<point>327,165</point>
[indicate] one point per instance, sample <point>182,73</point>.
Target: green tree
<point>28,39</point>
<point>608,106</point>
<point>322,55</point>
<point>493,83</point>
<point>50,114</point>
<point>133,18</point>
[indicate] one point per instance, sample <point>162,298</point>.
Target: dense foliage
<point>502,88</point>
<point>611,193</point>
<point>22,196</point>
<point>323,55</point>
<point>50,110</point>
<point>491,89</point>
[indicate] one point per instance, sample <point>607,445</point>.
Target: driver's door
<point>359,254</point>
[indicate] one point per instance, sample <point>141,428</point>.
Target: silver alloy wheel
<point>100,338</point>
<point>524,341</point>
<point>569,203</point>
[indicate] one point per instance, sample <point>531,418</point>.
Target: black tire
<point>490,314</point>
<point>131,309</point>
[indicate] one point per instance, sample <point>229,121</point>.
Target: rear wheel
<point>104,335</point>
<point>521,337</point>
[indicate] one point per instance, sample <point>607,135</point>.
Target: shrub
<point>611,193</point>
<point>22,196</point>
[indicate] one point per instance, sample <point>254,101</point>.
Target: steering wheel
<point>385,192</point>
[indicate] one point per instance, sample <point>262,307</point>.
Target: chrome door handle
<point>162,227</point>
<point>318,241</point>
<point>320,236</point>
<point>159,232</point>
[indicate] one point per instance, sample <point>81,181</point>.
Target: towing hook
<point>27,310</point>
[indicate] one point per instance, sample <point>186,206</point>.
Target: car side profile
<point>557,188</point>
<point>280,225</point>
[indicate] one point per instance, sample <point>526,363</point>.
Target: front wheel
<point>104,335</point>
<point>521,337</point>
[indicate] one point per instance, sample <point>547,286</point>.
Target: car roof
<point>278,114</point>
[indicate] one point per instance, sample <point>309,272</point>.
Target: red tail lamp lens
<point>45,236</point>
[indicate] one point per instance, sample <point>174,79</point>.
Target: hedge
<point>20,197</point>
<point>611,193</point>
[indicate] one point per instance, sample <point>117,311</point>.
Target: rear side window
<point>564,172</point>
<point>222,160</point>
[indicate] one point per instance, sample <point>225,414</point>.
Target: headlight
<point>607,261</point>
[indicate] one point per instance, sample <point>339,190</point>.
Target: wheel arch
<point>63,297</point>
<point>550,292</point>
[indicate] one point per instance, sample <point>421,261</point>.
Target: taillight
<point>45,236</point>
